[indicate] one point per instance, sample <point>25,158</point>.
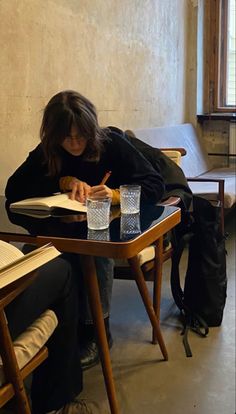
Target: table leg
<point>140,281</point>
<point>90,276</point>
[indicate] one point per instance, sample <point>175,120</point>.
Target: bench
<point>212,183</point>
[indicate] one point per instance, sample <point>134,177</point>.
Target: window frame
<point>216,21</point>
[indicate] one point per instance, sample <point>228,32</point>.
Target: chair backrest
<point>173,153</point>
<point>196,161</point>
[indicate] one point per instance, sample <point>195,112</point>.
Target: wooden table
<point>69,234</point>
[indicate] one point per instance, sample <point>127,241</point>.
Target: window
<point>231,56</point>
<point>220,88</point>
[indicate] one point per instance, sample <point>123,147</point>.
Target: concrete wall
<point>130,57</point>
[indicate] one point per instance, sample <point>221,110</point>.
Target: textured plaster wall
<point>127,56</point>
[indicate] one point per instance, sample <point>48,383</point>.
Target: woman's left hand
<point>79,190</point>
<point>100,191</point>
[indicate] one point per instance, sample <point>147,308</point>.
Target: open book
<point>14,264</point>
<point>55,202</point>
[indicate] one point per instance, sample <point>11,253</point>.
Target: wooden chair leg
<point>157,281</point>
<point>140,281</point>
<point>12,372</point>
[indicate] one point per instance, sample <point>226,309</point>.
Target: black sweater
<point>127,164</point>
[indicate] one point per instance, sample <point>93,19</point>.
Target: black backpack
<point>203,297</point>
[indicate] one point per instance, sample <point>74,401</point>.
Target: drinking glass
<point>130,199</point>
<point>98,213</point>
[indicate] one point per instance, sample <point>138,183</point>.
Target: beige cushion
<point>144,256</point>
<point>28,344</point>
<point>173,155</point>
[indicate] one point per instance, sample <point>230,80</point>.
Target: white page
<point>59,200</point>
<point>26,263</point>
<point>73,205</point>
<point>44,201</point>
<point>8,253</point>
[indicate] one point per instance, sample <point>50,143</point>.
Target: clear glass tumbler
<point>98,213</point>
<point>130,199</point>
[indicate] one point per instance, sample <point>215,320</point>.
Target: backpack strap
<point>191,321</point>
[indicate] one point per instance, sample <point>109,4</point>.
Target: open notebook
<point>14,264</point>
<point>49,204</point>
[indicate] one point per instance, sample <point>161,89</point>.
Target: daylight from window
<point>231,56</point>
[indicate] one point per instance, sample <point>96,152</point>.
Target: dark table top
<point>70,225</point>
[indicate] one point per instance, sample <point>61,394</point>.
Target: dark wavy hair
<point>65,109</point>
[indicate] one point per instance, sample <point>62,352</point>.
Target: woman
<point>74,155</point>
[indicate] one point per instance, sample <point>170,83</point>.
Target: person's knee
<point>54,279</point>
<point>62,274</point>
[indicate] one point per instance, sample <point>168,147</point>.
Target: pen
<point>105,178</point>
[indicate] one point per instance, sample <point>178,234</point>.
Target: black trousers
<point>59,378</point>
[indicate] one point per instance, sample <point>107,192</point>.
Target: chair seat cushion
<point>29,343</point>
<point>146,255</point>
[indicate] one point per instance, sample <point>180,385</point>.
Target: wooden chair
<point>151,258</point>
<point>27,352</point>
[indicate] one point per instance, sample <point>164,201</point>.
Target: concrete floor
<point>203,384</point>
<point>145,384</point>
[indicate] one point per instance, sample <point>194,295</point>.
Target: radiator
<point>232,143</point>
